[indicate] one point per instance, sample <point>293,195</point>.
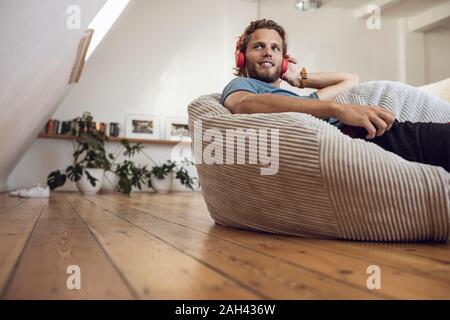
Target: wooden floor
<point>151,246</point>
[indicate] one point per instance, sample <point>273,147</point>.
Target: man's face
<point>264,55</point>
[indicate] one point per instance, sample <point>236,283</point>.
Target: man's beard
<point>269,77</point>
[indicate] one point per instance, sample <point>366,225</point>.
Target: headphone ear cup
<point>240,60</point>
<point>284,66</point>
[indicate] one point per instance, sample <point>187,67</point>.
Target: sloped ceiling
<point>37,52</point>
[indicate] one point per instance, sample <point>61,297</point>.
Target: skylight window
<point>103,22</point>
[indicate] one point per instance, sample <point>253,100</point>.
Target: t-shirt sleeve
<point>313,96</point>
<point>237,84</point>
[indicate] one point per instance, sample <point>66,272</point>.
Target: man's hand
<point>291,75</point>
<point>374,119</point>
<point>329,84</point>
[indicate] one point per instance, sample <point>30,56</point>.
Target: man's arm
<point>330,84</point>
<point>374,119</point>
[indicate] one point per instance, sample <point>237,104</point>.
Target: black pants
<point>427,143</point>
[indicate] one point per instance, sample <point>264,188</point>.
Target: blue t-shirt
<point>260,87</point>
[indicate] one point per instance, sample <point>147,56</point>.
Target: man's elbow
<point>235,108</point>
<point>240,107</point>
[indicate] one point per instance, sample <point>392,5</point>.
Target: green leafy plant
<point>180,170</point>
<point>161,171</point>
<point>130,175</point>
<point>182,174</point>
<point>89,153</point>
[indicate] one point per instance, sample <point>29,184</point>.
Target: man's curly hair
<point>244,39</point>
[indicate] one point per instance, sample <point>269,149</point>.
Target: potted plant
<point>131,177</point>
<point>183,176</point>
<point>90,158</point>
<point>163,175</point>
<point>128,173</point>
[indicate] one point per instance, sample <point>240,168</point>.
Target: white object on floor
<point>34,192</point>
<point>16,193</point>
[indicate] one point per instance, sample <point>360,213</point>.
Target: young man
<point>262,50</point>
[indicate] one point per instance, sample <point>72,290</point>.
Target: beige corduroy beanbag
<point>327,184</point>
<point>440,89</point>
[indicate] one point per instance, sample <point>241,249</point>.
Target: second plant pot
<point>85,187</point>
<point>162,186</point>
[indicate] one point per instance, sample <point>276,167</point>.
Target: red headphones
<point>240,59</point>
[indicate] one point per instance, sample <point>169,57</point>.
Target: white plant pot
<point>85,187</point>
<point>162,186</point>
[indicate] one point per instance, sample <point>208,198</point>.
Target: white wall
<point>331,39</point>
<point>437,54</point>
<point>37,51</point>
<point>157,58</point>
<point>412,55</point>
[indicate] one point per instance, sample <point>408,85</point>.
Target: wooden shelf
<point>113,139</point>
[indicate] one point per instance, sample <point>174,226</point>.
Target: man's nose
<point>268,52</point>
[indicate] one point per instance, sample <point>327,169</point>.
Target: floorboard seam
<point>12,206</point>
<point>133,292</point>
<point>243,285</point>
<point>19,258</point>
<point>415,272</point>
<point>269,256</point>
<point>259,252</point>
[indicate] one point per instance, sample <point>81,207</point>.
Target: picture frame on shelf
<point>141,126</point>
<point>177,129</point>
